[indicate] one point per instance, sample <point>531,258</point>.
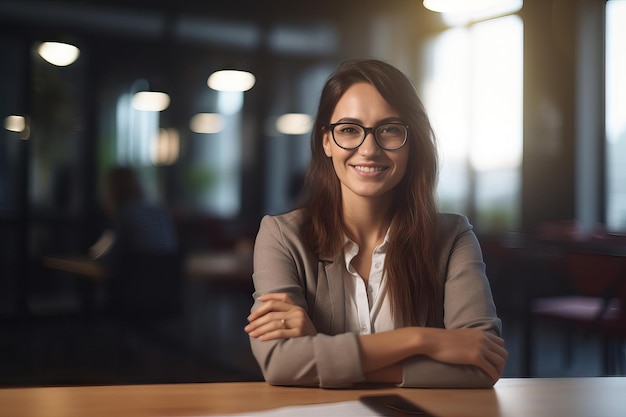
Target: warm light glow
<point>166,147</point>
<point>467,6</point>
<point>58,53</point>
<point>294,124</point>
<point>18,124</point>
<point>207,123</point>
<point>151,101</point>
<point>231,80</point>
<point>15,123</point>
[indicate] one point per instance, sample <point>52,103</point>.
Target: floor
<point>208,345</point>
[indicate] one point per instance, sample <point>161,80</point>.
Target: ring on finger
<point>282,323</point>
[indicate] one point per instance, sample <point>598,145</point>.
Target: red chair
<point>597,306</point>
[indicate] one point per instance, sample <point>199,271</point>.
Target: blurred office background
<point>528,102</point>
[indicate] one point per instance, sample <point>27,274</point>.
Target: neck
<point>367,223</point>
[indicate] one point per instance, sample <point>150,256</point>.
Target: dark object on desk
<point>598,305</point>
<point>393,405</point>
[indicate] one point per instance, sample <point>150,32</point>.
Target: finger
<point>497,361</point>
<point>501,360</point>
<point>269,318</point>
<point>494,339</point>
<point>489,369</point>
<point>256,322</point>
<point>278,328</point>
<point>261,332</point>
<point>268,307</point>
<point>496,345</point>
<point>497,358</point>
<point>498,348</point>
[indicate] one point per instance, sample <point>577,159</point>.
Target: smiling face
<point>367,172</point>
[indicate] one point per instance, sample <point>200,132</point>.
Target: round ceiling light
<point>15,123</point>
<point>231,80</point>
<point>151,101</point>
<point>294,124</point>
<point>58,53</point>
<point>460,6</point>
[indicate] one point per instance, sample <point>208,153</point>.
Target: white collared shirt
<point>367,306</point>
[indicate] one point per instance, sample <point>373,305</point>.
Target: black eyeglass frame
<point>367,131</point>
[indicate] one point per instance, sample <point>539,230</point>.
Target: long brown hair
<point>411,262</point>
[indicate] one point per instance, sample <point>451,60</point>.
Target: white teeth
<point>368,169</point>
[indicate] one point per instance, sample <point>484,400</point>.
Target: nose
<point>369,145</point>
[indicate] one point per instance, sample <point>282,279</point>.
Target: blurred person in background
<point>367,281</point>
<point>136,225</point>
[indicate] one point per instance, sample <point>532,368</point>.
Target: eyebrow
<point>392,119</point>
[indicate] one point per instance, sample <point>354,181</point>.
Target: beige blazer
<point>282,263</point>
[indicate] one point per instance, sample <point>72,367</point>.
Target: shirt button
<point>364,329</point>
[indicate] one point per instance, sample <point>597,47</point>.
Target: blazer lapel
<point>334,277</point>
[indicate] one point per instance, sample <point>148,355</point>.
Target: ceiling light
<point>462,6</point>
<point>231,80</point>
<point>18,124</point>
<point>58,53</point>
<point>294,124</point>
<point>151,101</point>
<point>207,123</point>
<point>15,123</point>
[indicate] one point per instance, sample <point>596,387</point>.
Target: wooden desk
<point>79,265</point>
<point>203,266</point>
<point>511,397</point>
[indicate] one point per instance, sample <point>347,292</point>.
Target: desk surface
<point>511,397</point>
<point>203,266</point>
<point>80,265</point>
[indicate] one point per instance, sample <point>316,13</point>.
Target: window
<point>216,163</point>
<point>473,94</point>
<point>615,115</point>
<point>288,155</point>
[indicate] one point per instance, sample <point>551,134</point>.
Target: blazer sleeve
<point>325,360</point>
<point>468,303</point>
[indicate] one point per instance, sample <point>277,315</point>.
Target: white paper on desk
<point>340,409</point>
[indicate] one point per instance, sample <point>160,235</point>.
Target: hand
<point>467,347</point>
<point>279,318</point>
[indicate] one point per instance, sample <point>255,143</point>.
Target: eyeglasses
<point>388,136</point>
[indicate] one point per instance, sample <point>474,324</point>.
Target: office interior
<point>525,103</point>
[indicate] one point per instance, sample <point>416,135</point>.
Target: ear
<point>326,143</point>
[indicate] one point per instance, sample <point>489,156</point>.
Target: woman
<point>367,282</point>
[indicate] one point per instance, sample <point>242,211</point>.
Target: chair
<point>597,305</point>
<point>145,291</point>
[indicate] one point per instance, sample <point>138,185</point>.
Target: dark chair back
<point>146,285</point>
<point>598,274</point>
